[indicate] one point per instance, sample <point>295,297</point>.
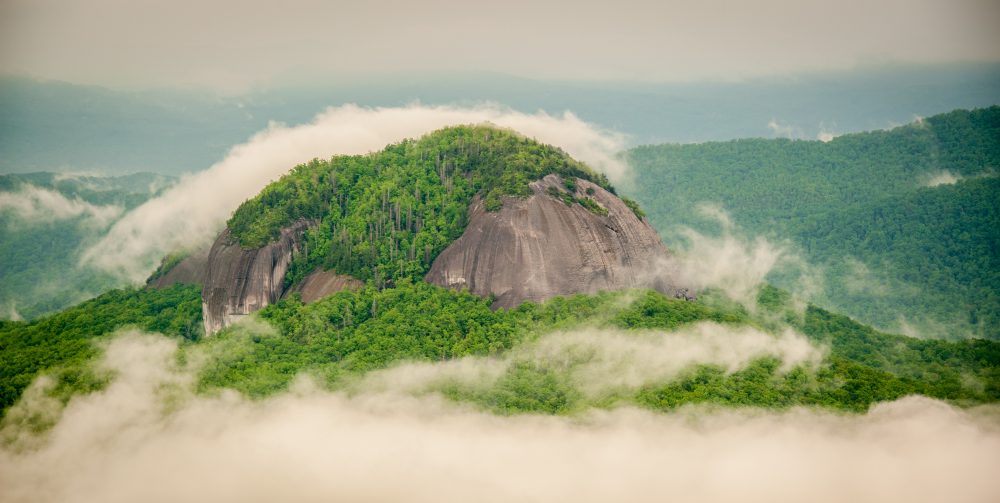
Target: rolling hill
<point>902,225</point>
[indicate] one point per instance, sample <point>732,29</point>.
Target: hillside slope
<point>905,223</point>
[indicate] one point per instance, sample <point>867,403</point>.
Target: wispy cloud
<point>943,177</point>
<point>30,204</point>
<point>599,361</point>
<point>783,130</point>
<point>736,264</point>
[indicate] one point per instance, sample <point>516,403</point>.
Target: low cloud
<point>9,312</point>
<point>727,261</point>
<point>943,177</point>
<point>143,439</point>
<point>601,361</point>
<point>190,214</point>
<point>793,132</point>
<point>33,205</point>
<point>735,264</point>
<point>783,130</point>
<point>860,279</point>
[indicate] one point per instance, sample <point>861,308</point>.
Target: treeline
<point>930,253</point>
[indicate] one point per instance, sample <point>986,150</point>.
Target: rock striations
<point>540,246</point>
<point>239,281</point>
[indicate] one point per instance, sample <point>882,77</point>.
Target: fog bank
<point>601,361</point>
<point>119,445</point>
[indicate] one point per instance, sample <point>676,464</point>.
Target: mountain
<point>46,222</point>
<point>902,224</point>
<point>387,235</point>
<point>468,207</point>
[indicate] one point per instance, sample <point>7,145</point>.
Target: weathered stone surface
<point>320,283</point>
<point>190,271</point>
<point>239,281</point>
<point>539,247</point>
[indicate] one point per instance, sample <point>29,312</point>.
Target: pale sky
<point>232,45</point>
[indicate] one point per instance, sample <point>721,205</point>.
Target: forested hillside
<point>383,217</point>
<point>352,333</point>
<point>46,221</point>
<point>64,342</point>
<point>904,224</point>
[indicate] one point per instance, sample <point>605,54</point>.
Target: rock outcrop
<point>539,247</point>
<point>320,283</point>
<point>239,281</point>
<point>190,270</point>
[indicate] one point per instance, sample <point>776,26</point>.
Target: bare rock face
<point>189,271</point>
<point>540,247</point>
<point>320,283</point>
<point>239,281</point>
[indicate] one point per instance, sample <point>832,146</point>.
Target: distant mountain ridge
<point>56,126</point>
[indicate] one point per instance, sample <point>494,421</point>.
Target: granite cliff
<point>546,245</point>
<point>239,281</point>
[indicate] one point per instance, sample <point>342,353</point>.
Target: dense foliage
<point>351,333</point>
<point>386,215</point>
<point>865,207</point>
<point>65,340</point>
<point>354,332</point>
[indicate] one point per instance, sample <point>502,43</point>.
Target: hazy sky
<point>234,45</point>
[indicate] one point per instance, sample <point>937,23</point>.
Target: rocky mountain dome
<point>473,207</point>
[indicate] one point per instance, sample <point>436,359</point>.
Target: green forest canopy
<point>928,253</point>
<point>354,332</point>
